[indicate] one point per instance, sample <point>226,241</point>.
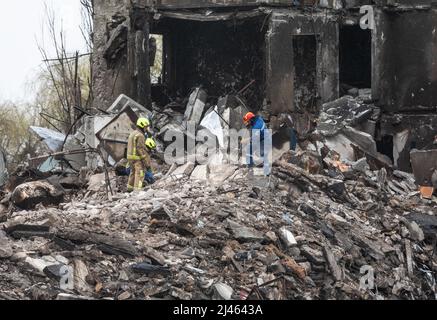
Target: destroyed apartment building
<point>357,194</point>
<point>281,57</point>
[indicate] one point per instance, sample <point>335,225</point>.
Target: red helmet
<point>248,117</point>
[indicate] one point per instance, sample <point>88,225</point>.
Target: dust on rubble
<point>294,235</point>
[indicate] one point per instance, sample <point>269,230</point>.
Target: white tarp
<point>400,141</point>
<point>212,122</point>
<point>52,139</point>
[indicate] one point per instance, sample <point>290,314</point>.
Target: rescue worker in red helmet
<point>258,128</point>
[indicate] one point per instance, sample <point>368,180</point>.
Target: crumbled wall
<point>406,75</point>
<point>280,62</point>
<point>109,81</point>
<point>223,57</point>
<point>420,130</point>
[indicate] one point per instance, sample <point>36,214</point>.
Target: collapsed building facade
<point>220,231</point>
<point>295,56</point>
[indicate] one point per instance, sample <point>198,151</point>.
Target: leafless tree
<point>63,71</point>
<point>87,30</point>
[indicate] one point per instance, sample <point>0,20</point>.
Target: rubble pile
<point>203,232</point>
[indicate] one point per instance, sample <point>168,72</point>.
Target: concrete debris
<point>244,234</point>
<point>336,205</point>
<point>224,291</point>
<point>206,241</point>
<point>183,171</point>
<point>6,250</point>
<point>196,106</point>
<point>287,237</point>
<point>344,112</point>
<point>200,173</point>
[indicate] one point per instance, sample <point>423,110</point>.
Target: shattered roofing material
<point>123,102</point>
<point>52,139</point>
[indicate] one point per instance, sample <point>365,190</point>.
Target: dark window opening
<point>305,72</point>
<point>386,145</point>
<point>355,58</point>
<point>156,42</point>
<point>222,57</point>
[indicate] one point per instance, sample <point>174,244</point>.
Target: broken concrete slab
<point>313,255</point>
<point>244,234</point>
<point>6,250</point>
<point>183,171</point>
<point>200,173</point>
<point>220,173</point>
<point>416,233</point>
<point>196,106</point>
<point>287,237</point>
<point>361,165</point>
<point>123,101</point>
<point>97,182</point>
<point>424,164</point>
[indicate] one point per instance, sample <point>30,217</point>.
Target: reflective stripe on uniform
<point>135,146</point>
<point>133,156</point>
<point>140,184</point>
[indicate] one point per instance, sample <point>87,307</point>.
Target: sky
<point>21,24</point>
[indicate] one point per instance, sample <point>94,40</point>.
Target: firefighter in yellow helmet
<point>138,156</point>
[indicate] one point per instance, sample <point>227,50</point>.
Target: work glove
<point>149,177</point>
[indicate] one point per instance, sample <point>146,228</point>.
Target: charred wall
<point>407,60</point>
<point>111,76</point>
<point>222,57</point>
<point>281,61</point>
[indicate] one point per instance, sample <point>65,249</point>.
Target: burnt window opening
<point>355,58</point>
<point>386,146</point>
<point>221,57</point>
<point>305,72</point>
<point>156,45</point>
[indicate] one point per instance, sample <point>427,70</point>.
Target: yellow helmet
<point>143,123</point>
<point>150,143</point>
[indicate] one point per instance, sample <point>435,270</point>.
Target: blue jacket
<point>258,123</point>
